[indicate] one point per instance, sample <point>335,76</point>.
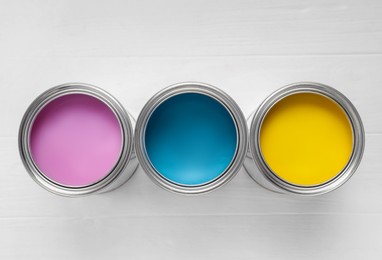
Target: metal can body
<point>260,171</point>
<point>126,162</point>
<point>200,90</point>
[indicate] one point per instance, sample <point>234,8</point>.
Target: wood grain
<point>135,48</point>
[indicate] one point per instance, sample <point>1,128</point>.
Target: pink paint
<point>76,140</point>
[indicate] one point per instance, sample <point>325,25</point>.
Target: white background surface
<point>135,48</point>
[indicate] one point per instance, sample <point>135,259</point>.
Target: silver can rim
<point>353,116</point>
<point>39,103</point>
<point>208,90</point>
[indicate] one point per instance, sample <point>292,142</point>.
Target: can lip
<point>346,105</point>
<point>56,92</point>
<point>201,88</point>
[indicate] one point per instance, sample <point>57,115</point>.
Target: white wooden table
<point>135,48</point>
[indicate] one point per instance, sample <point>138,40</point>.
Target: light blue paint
<point>191,139</point>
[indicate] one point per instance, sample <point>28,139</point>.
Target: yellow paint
<point>306,139</point>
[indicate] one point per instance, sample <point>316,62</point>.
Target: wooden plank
<point>249,80</point>
<point>194,237</point>
<point>20,197</point>
<point>189,28</point>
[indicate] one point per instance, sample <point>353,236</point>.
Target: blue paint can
<point>191,138</point>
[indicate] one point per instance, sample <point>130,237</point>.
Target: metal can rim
<point>201,88</point>
<point>343,102</point>
<point>56,92</point>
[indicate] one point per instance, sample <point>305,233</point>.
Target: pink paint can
<point>76,139</point>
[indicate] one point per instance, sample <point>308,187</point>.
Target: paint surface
<point>76,140</point>
<point>306,139</point>
<point>191,139</point>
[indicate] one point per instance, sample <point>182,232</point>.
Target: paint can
<point>191,138</point>
<point>305,138</point>
<point>76,139</point>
